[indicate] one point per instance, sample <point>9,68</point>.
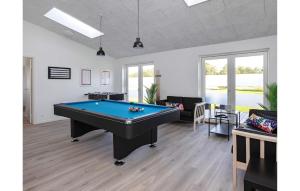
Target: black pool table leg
<point>78,129</point>
<point>123,146</point>
<point>153,137</point>
<point>119,163</point>
<point>152,145</point>
<point>74,140</point>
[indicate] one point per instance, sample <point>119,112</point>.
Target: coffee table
<point>223,128</point>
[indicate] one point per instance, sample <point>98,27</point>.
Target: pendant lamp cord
<point>138,24</point>
<point>100,28</point>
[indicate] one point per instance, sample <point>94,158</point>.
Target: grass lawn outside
<point>249,90</point>
<point>239,90</point>
<point>245,108</point>
<point>240,108</point>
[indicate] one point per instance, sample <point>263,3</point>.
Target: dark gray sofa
<point>188,103</point>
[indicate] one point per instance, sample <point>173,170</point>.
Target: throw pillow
<point>171,104</point>
<point>269,125</point>
<point>180,107</point>
<point>264,124</point>
<point>253,120</point>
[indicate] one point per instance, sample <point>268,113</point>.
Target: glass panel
<point>148,78</point>
<point>216,81</point>
<point>133,83</point>
<point>249,82</point>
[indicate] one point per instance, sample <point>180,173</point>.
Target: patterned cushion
<point>178,105</point>
<point>264,124</point>
<point>172,104</point>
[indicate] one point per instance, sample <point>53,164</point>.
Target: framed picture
<point>86,75</point>
<point>105,77</point>
<point>59,73</point>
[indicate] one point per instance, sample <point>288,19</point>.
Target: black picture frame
<point>60,73</point>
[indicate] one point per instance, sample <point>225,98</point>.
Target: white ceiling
<point>164,24</point>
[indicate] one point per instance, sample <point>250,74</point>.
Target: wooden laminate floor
<point>182,160</point>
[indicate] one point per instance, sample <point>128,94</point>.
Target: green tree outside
<point>212,70</point>
<point>146,73</point>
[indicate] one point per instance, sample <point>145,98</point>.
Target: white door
<point>138,77</point>
<point>216,80</point>
<point>27,87</point>
<point>238,80</point>
<point>250,80</point>
<point>133,83</point>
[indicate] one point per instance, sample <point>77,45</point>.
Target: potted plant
<point>150,98</point>
<point>271,96</point>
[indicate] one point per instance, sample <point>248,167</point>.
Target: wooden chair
<point>199,114</point>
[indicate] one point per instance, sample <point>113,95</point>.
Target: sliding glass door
<point>216,86</point>
<point>237,80</point>
<point>249,82</point>
<point>137,79</point>
<point>148,78</point>
<point>133,83</point>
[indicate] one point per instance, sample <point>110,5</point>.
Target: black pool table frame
<point>128,135</point>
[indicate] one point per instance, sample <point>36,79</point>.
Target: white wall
<point>49,49</point>
<point>179,68</point>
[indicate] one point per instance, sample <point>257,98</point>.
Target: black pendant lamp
<point>100,52</point>
<point>138,43</point>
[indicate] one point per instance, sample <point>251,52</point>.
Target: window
<point>237,80</point>
<point>137,78</point>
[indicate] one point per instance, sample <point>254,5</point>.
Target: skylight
<point>193,2</point>
<point>72,23</point>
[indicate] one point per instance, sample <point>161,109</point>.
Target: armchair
<point>251,143</point>
<point>199,113</point>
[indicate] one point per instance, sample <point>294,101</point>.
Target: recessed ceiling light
<point>193,2</point>
<point>72,23</point>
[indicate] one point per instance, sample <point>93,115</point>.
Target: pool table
<point>131,130</point>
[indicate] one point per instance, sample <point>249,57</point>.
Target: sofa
<point>252,144</point>
<point>189,104</point>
